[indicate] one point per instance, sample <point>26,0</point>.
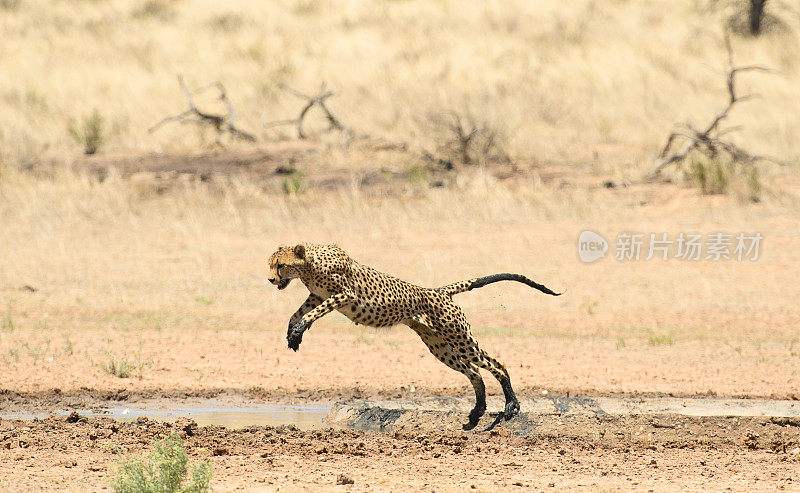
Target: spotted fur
<point>368,297</point>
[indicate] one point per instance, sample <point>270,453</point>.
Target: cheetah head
<point>286,264</point>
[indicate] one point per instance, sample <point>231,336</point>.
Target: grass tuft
<point>715,177</point>
<point>8,321</point>
<point>661,340</point>
<point>155,9</point>
<point>90,133</point>
<point>121,368</point>
<point>294,182</point>
<point>10,5</point>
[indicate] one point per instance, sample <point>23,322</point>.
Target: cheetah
<point>369,297</point>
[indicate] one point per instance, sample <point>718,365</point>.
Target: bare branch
<point>707,141</point>
<point>317,100</point>
<point>221,123</point>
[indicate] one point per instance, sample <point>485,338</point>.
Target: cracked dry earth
<point>610,453</point>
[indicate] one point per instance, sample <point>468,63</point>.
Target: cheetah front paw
<point>295,335</point>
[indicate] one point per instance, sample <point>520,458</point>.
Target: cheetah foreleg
<point>311,302</point>
<point>295,335</point>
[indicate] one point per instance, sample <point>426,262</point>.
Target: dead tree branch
<point>311,101</point>
<point>707,140</point>
<point>220,123</point>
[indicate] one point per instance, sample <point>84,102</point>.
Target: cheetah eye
<point>280,266</point>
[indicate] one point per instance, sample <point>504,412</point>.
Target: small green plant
<point>294,182</point>
<point>8,321</point>
<point>69,348</point>
<point>33,352</point>
<point>155,9</point>
<point>661,340</point>
<point>753,187</point>
<point>417,174</point>
<point>164,470</point>
<point>711,177</point>
<point>226,23</point>
<point>14,353</point>
<point>90,134</point>
<point>204,301</point>
<point>10,4</point>
<point>620,343</point>
<point>741,180</point>
<point>121,369</point>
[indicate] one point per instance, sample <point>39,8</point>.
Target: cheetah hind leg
<point>483,360</point>
<point>444,352</point>
<point>512,403</point>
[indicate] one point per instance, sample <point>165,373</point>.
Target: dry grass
<point>176,283</point>
<point>569,80</point>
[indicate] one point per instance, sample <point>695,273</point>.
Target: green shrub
<point>10,4</point>
<point>711,177</point>
<point>294,182</point>
<point>739,179</point>
<point>90,134</point>
<point>661,340</point>
<point>164,470</point>
<point>121,369</point>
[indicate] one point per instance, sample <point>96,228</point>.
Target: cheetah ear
<point>300,251</point>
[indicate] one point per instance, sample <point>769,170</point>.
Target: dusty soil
<point>612,453</point>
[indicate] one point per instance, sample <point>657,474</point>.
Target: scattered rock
<point>344,479</point>
<point>186,425</point>
<point>74,417</point>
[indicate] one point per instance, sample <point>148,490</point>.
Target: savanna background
<point>480,137</point>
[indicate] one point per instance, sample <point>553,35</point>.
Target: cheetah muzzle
<point>369,297</point>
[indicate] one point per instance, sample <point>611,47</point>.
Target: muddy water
<point>303,417</point>
<point>694,406</point>
<point>538,414</point>
<point>318,415</point>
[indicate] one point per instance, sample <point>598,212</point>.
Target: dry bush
<point>462,140</point>
<point>756,17</point>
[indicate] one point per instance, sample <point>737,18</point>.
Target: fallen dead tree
<point>317,100</point>
<point>708,140</point>
<point>221,123</point>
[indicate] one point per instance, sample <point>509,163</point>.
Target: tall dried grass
<point>563,80</point>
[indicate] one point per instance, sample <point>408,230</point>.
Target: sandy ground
<point>599,453</point>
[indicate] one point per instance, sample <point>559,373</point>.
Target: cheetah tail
<point>479,282</point>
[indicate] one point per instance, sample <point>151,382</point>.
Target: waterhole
<point>305,417</point>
